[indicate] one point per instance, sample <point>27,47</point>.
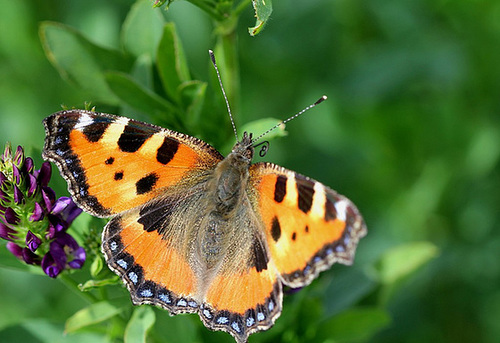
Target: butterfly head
<point>244,147</point>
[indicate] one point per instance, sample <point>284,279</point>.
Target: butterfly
<point>192,231</point>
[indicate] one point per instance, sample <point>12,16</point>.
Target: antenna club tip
<point>320,100</point>
<point>212,56</point>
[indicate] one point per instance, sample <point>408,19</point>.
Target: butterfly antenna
<point>319,101</point>
<point>212,57</point>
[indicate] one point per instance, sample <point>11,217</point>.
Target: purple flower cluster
<point>32,220</point>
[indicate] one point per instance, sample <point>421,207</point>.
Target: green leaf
<point>142,99</point>
<point>171,62</point>
<point>96,266</point>
<point>81,62</point>
<point>346,289</point>
<point>403,260</point>
<point>354,325</point>
<point>263,10</point>
<point>142,71</point>
<point>141,321</point>
<point>92,314</point>
<point>91,284</point>
<point>142,29</point>
<point>46,331</point>
<point>260,126</point>
<point>192,98</point>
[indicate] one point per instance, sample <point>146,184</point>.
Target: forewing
<point>113,164</point>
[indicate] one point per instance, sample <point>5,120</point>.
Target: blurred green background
<point>410,133</point>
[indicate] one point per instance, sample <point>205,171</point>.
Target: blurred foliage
<point>411,133</point>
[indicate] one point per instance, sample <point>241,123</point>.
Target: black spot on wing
<point>146,184</point>
<point>280,188</point>
<point>110,161</point>
<point>133,137</point>
<point>156,216</point>
<point>259,254</point>
<point>167,150</point>
<point>93,132</point>
<point>118,176</point>
<point>294,236</point>
<point>275,229</point>
<point>305,190</point>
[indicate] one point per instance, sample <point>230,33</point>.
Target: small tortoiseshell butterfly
<point>194,232</point>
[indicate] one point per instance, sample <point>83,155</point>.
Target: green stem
<point>73,285</point>
<point>208,7</point>
<point>227,52</point>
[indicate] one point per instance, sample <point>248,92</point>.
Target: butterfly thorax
<point>231,175</point>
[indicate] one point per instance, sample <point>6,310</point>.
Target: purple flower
<point>31,185</point>
<point>16,174</point>
<point>15,249</point>
<point>30,257</point>
<point>7,154</point>
<point>18,195</point>
<point>49,198</point>
<point>11,217</point>
<point>19,155</point>
<point>28,165</point>
<point>32,241</point>
<point>44,174</point>
<point>33,219</point>
<point>66,209</point>
<point>6,232</point>
<point>37,213</point>
<point>62,214</point>
<point>64,253</point>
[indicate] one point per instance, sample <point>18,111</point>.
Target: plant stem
<point>73,285</point>
<point>208,7</point>
<point>227,53</point>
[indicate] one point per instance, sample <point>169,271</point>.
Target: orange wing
<point>113,164</point>
<point>149,261</point>
<point>308,226</point>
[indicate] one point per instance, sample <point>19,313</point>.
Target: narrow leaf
<point>141,321</point>
<point>92,314</point>
<point>142,99</point>
<point>192,98</point>
<point>48,332</point>
<point>81,62</point>
<point>142,29</point>
<point>171,61</point>
<point>404,260</point>
<point>96,266</point>
<point>91,284</point>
